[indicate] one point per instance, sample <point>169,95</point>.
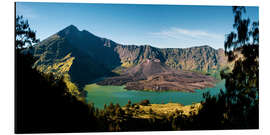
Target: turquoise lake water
<point>100,95</point>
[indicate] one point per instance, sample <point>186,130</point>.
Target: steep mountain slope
<point>79,54</point>
<point>83,57</point>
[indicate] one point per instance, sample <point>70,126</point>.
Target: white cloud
<point>179,33</point>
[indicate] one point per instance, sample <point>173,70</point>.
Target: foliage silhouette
<point>42,102</point>
<point>25,36</point>
<point>238,107</point>
<point>44,105</point>
<point>242,83</point>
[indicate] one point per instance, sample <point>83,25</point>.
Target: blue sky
<point>163,26</point>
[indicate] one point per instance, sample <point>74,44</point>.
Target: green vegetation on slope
<point>60,68</point>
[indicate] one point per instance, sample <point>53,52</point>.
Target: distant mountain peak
<point>71,29</point>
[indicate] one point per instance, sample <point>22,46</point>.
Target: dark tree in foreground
<point>42,103</point>
<point>25,36</point>
<point>238,107</point>
<point>242,83</point>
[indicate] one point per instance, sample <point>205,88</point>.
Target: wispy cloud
<point>179,33</point>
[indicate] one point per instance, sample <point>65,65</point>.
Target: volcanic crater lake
<point>100,95</point>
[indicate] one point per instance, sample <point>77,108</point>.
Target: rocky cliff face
<point>201,58</point>
<point>86,57</point>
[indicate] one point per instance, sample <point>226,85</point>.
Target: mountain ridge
<point>94,57</point>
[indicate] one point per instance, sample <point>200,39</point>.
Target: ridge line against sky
<point>162,26</point>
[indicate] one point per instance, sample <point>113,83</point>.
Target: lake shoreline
<point>100,95</point>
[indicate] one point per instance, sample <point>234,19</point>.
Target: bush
<point>145,102</point>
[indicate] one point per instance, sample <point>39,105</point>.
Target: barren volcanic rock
<point>154,75</point>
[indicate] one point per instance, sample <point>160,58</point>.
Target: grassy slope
<point>162,110</point>
<point>60,68</point>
